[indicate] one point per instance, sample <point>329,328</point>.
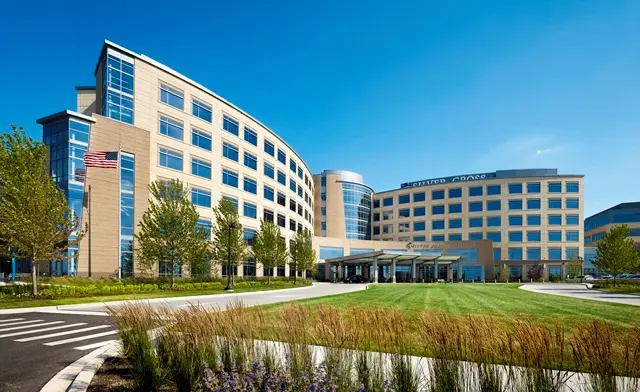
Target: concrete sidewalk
<point>581,291</point>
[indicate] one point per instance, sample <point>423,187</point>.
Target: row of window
<point>635,232</point>
<point>615,218</point>
<point>474,191</point>
<point>496,221</point>
<point>495,236</point>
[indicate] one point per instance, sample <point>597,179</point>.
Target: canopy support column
<point>340,272</point>
<point>393,271</point>
<point>375,270</point>
<point>414,278</point>
<point>435,270</point>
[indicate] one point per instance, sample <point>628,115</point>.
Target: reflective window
<point>233,201</point>
<point>497,254</point>
<point>419,238</point>
<point>250,185</point>
<point>269,148</point>
<point>475,206</point>
<point>475,236</point>
<point>376,203</point>
<point>403,227</point>
<point>555,253</point>
<point>455,192</point>
<point>455,237</point>
<point>293,166</point>
<point>475,191</point>
<point>205,224</point>
<point>419,226</point>
<point>533,187</point>
<point>515,236</point>
<point>571,253</point>
<point>387,215</point>
<point>267,215</point>
<point>282,178</point>
<point>533,220</point>
<point>437,238</point>
<point>282,199</point>
<point>292,185</point>
<point>230,125</point>
<point>230,151</point>
<point>572,187</point>
<point>572,204</point>
<point>515,189</point>
<point>534,236</point>
<point>170,159</point>
<point>117,87</point>
<point>571,219</point>
<point>250,161</point>
<point>455,208</point>
<point>515,253</point>
<point>404,199</point>
<point>201,197</point>
<point>200,168</point>
<point>493,205</point>
<point>493,189</point>
<point>251,136</point>
<point>475,222</point>
<point>300,172</point>
<point>201,109</point>
<point>455,223</point>
<point>555,236</point>
<point>404,213</point>
<point>419,211</point>
<point>437,225</point>
<point>555,220</point>
<point>571,236</point>
<point>515,220</point>
<point>494,221</point>
<point>171,128</point>
<point>171,96</point>
<point>494,236</point>
<point>248,235</point>
<point>387,201</point>
<point>555,204</point>
<point>418,196</point>
<point>282,220</point>
<point>534,254</point>
<point>268,192</point>
<point>250,210</point>
<point>515,204</point>
<point>282,157</point>
<point>437,195</point>
<point>437,210</point>
<point>201,139</point>
<point>533,204</point>
<point>268,170</point>
<point>555,187</point>
<point>229,178</point>
<point>387,229</point>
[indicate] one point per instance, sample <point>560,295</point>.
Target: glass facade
<point>118,87</point>
<point>357,210</point>
<point>127,220</point>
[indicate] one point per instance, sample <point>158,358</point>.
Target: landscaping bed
<point>622,286</point>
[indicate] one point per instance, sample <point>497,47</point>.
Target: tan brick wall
<point>86,101</point>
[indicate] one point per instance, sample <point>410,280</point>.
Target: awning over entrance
<point>401,258</point>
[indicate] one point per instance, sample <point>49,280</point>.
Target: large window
<point>404,199</point>
<point>250,185</point>
<point>292,185</point>
<point>232,200</point>
<point>230,151</point>
<point>282,178</point>
<point>475,191</point>
<point>475,222</point>
<point>437,225</point>
<point>515,253</point>
<point>534,236</point>
<point>171,96</point>
<point>494,236</point>
<point>555,187</point>
<point>515,189</point>
<point>250,210</point>
<point>455,208</point>
<point>269,148</point>
<point>572,187</point>
<point>200,168</point>
<point>201,197</point>
<point>268,193</point>
<point>455,237</point>
<point>555,253</point>
<point>475,236</point>
<point>533,187</point>
<point>229,178</point>
<point>455,193</point>
<point>404,213</point>
<point>571,235</point>
<point>269,170</point>
<point>437,195</point>
<point>282,157</point>
<point>571,219</point>
<point>515,220</point>
<point>534,254</point>
<point>555,236</point>
<point>493,189</point>
<point>329,252</point>
<point>205,225</point>
<point>494,221</point>
<point>455,223</point>
<point>250,161</point>
<point>117,87</point>
<point>572,204</point>
<point>555,220</point>
<point>497,254</point>
<point>293,166</point>
<point>533,204</point>
<point>437,238</point>
<point>282,220</point>
<point>170,159</point>
<point>515,236</point>
<point>493,205</point>
<point>571,253</point>
<point>555,204</point>
<point>267,215</point>
<point>515,204</point>
<point>437,210</point>
<point>230,125</point>
<point>419,211</point>
<point>201,139</point>
<point>418,196</point>
<point>419,226</point>
<point>533,220</point>
<point>387,201</point>
<point>171,128</point>
<point>475,206</point>
<point>201,109</point>
<point>251,136</point>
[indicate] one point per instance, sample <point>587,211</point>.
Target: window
<point>292,225</point>
<point>267,215</point>
<point>267,192</point>
<point>269,148</point>
<point>230,125</point>
<point>300,190</point>
<point>437,195</point>
<point>437,210</point>
<point>493,205</point>
<point>533,220</point>
<point>201,109</point>
<point>117,87</point>
<point>376,216</point>
<point>250,185</point>
<point>437,238</point>
<point>404,213</point>
<point>201,139</point>
<point>418,196</point>
<point>300,172</point>
<point>475,191</point>
<point>250,161</point>
<point>571,253</point>
<point>376,203</point>
<point>515,253</point>
<point>494,221</point>
<point>572,204</point>
<point>455,223</point>
<point>170,159</point>
<point>201,197</point>
<point>268,170</point>
<point>515,204</point>
<point>493,189</point>
<point>282,157</point>
<point>555,220</point>
<point>437,225</point>
<point>419,211</point>
<point>572,187</point>
<point>534,254</point>
<point>455,208</point>
<point>171,96</point>
<point>404,199</point>
<point>419,238</point>
<point>229,178</point>
<point>282,199</point>
<point>387,201</point>
<point>200,168</point>
<point>533,187</point>
<point>515,189</point>
<point>571,236</point>
<point>494,236</point>
<point>293,166</point>
<point>292,205</point>
<point>323,196</point>
<point>555,236</point>
<point>555,253</point>
<point>515,236</point>
<point>475,222</point>
<point>282,178</point>
<point>232,200</point>
<point>455,237</point>
<point>497,254</point>
<point>555,204</point>
<point>251,136</point>
<point>248,235</point>
<point>250,210</point>
<point>515,220</point>
<point>475,206</point>
<point>230,151</point>
<point>534,236</point>
<point>533,204</point>
<point>171,128</point>
<point>387,215</point>
<point>205,225</point>
<point>282,220</point>
<point>419,226</point>
<point>455,192</point>
<point>387,229</point>
<point>475,236</point>
<point>292,185</point>
<point>571,219</point>
<point>555,187</point>
<point>403,227</point>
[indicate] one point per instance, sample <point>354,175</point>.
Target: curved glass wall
<point>357,211</point>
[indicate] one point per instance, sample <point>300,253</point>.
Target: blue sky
<point>398,91</point>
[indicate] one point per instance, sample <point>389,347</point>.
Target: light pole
<point>229,287</point>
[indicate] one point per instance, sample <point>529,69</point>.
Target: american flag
<point>105,160</point>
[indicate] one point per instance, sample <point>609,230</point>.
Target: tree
<point>35,218</point>
<point>574,268</point>
<point>536,272</point>
<point>268,247</point>
<point>303,257</point>
<point>616,253</point>
<point>228,244</point>
<point>505,274</point>
<point>169,230</point>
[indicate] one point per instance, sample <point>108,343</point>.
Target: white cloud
<point>543,152</point>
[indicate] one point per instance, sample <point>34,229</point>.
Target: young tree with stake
<point>303,256</point>
<point>269,249</point>
<point>229,246</point>
<point>616,252</point>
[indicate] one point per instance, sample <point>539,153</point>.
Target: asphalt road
<point>582,292</point>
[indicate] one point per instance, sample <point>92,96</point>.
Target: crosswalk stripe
<point>10,320</point>
<point>30,326</point>
<point>94,345</point>
<point>22,322</point>
<point>8,335</point>
<point>53,335</point>
<point>96,335</point>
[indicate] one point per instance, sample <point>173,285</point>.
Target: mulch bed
<point>113,376</point>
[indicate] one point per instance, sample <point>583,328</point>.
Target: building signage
<point>446,180</point>
<point>423,245</point>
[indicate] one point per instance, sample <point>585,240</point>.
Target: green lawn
<point>503,301</point>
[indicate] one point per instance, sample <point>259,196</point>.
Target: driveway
<point>581,291</point>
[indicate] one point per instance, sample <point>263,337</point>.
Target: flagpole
<point>89,226</point>
<point>119,214</point>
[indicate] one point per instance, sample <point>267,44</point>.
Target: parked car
<point>355,279</point>
<point>589,278</point>
<point>607,277</point>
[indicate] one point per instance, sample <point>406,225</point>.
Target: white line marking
<point>94,345</point>
<point>22,322</point>
<point>53,335</point>
<point>9,320</point>
<point>31,326</point>
<point>95,335</point>
<point>41,330</point>
<point>78,312</point>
